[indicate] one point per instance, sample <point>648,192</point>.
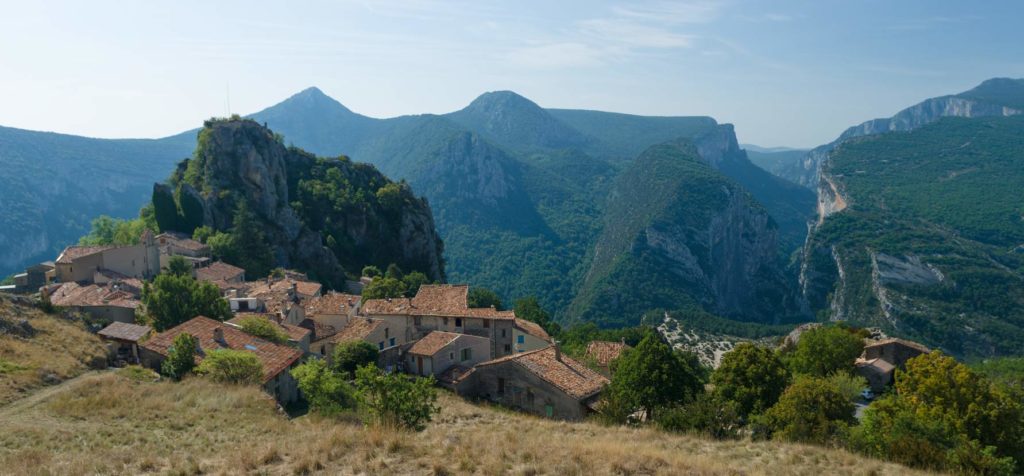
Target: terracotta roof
<point>444,300</point>
<point>320,330</point>
<point>532,328</point>
<point>894,340</point>
<point>275,358</point>
<point>294,333</point>
<point>218,271</point>
<point>604,352</point>
<point>183,241</point>
<point>566,374</point>
<point>303,288</point>
<point>92,295</point>
<point>72,253</point>
<point>332,303</point>
<point>125,331</point>
<point>433,342</point>
<point>878,365</point>
<point>358,329</point>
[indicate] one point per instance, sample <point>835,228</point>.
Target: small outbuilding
<point>123,341</point>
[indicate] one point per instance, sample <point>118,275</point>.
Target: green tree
<point>383,287</point>
<point>181,356</point>
<point>170,300</point>
<point>191,211</point>
<point>349,356</point>
<point>707,416</point>
<point>652,376</point>
<point>371,271</point>
<point>812,410</point>
<point>390,197</point>
<point>483,297</point>
<point>254,254</point>
<point>113,231</point>
<point>396,400</point>
<point>166,211</point>
<point>179,266</point>
<point>224,247</point>
<point>751,376</point>
<point>263,328</point>
<point>394,272</point>
<point>825,350</point>
<point>231,366</point>
<point>529,308</point>
<point>413,281</point>
<point>203,234</point>
<point>325,390</point>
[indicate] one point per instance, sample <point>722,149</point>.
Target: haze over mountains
<point>606,217</point>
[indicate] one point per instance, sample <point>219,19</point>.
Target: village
<point>478,353</point>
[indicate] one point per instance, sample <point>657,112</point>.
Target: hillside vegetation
<point>111,423</point>
<point>39,349</point>
<point>931,244</point>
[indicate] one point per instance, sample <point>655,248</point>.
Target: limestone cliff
<point>321,216</point>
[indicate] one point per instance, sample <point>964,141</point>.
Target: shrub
<point>812,410</point>
<point>181,356</point>
<point>325,390</point>
<point>707,415</point>
<point>349,356</point>
<point>231,366</point>
<point>652,376</point>
<point>171,300</point>
<point>178,266</point>
<point>263,328</point>
<point>751,376</point>
<point>825,350</point>
<point>395,400</point>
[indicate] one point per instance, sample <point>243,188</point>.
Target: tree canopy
<point>825,350</point>
<point>653,376</point>
<point>752,376</point>
<point>170,300</point>
<point>231,366</point>
<point>181,356</point>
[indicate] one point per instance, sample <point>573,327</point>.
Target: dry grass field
<point>111,423</point>
<point>56,349</point>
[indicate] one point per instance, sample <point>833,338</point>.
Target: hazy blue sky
<point>785,72</point>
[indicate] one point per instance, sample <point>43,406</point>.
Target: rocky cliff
<point>322,216</point>
<point>967,104</point>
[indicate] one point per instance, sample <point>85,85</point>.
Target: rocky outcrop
<point>808,169</point>
<point>240,161</point>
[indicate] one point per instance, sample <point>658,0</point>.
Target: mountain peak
<point>515,122</point>
<point>313,97</point>
<point>1008,92</point>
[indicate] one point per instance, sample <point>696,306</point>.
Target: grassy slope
<point>109,424</point>
<point>59,347</point>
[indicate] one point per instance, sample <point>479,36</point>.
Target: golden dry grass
<point>111,424</point>
<point>60,347</point>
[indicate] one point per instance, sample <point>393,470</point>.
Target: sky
<point>786,72</point>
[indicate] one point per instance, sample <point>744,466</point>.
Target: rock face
<point>239,160</point>
<point>807,172</point>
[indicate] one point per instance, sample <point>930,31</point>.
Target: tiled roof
<point>603,352</point>
<point>303,288</point>
<point>182,241</point>
<point>532,328</point>
<point>92,295</point>
<point>275,357</point>
<point>72,253</point>
<point>565,373</point>
<point>433,342</point>
<point>454,374</point>
<point>125,331</point>
<point>444,300</point>
<point>358,329</point>
<point>332,303</point>
<point>294,333</point>
<point>218,271</point>
<point>878,365</point>
<point>894,340</point>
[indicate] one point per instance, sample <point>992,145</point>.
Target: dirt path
<point>18,407</point>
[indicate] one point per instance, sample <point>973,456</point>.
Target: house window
<point>503,332</point>
<point>380,345</point>
<point>451,356</point>
<point>387,332</point>
<point>549,411</point>
<point>323,350</point>
<point>501,386</point>
<point>458,322</point>
<point>467,353</point>
<point>508,348</point>
<point>391,342</point>
<point>520,339</point>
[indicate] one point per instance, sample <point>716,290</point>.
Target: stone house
<point>123,341</point>
<point>225,276</point>
<point>80,263</point>
<point>107,303</point>
<point>881,358</point>
<point>444,307</point>
<point>542,382</point>
<point>327,314</point>
<point>277,360</point>
<point>602,353</point>
<point>35,277</point>
<point>438,351</point>
<point>376,332</point>
<point>527,336</point>
<point>298,337</point>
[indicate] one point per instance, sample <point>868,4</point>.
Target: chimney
<point>218,335</point>
<point>558,350</point>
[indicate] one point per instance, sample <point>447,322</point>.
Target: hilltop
<point>106,424</point>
